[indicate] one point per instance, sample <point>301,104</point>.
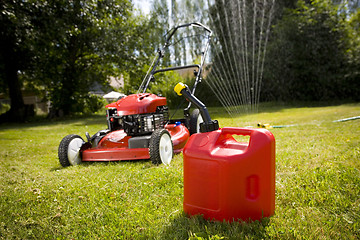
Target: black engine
<point>138,124</point>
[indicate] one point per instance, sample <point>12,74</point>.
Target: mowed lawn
<point>317,183</point>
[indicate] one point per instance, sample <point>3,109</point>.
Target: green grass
<point>317,184</point>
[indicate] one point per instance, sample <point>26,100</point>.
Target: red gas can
<point>229,180</point>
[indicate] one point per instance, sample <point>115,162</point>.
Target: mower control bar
<point>195,24</point>
<point>177,68</point>
<point>208,125</point>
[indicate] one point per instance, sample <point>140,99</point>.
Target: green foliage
<point>77,47</point>
<point>4,108</point>
<point>308,57</point>
<point>317,179</point>
<point>64,47</point>
<point>147,38</point>
<point>93,103</point>
<point>164,85</point>
<point>312,54</point>
<point>16,37</point>
<point>353,52</point>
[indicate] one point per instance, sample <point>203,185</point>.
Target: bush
<point>4,108</point>
<point>164,85</point>
<point>308,57</point>
<point>93,103</point>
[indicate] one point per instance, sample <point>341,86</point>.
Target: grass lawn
<point>317,183</point>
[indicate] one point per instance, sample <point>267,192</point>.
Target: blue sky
<point>143,5</point>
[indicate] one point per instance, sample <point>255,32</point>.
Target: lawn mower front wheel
<point>161,147</point>
<point>69,150</point>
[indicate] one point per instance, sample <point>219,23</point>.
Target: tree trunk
<point>18,111</point>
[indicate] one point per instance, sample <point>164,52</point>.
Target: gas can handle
<point>236,131</point>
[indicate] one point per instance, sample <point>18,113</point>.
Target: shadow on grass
<point>196,227</point>
<point>76,120</point>
<point>270,107</point>
<point>145,162</point>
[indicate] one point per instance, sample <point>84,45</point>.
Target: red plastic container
<point>229,180</point>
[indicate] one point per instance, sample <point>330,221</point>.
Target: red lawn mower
<point>138,125</point>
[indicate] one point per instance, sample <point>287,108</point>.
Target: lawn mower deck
<point>118,145</point>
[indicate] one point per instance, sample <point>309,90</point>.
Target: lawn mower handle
<point>161,55</point>
<point>195,24</point>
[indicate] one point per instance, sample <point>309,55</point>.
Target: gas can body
<point>229,180</point>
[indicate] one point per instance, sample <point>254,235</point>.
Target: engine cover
<point>137,104</point>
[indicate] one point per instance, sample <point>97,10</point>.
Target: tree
<point>353,72</point>
<point>307,57</point>
<point>16,37</point>
<point>63,47</point>
<point>348,6</point>
<point>80,41</point>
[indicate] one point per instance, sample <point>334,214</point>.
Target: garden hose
<point>347,119</point>
<point>268,126</point>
